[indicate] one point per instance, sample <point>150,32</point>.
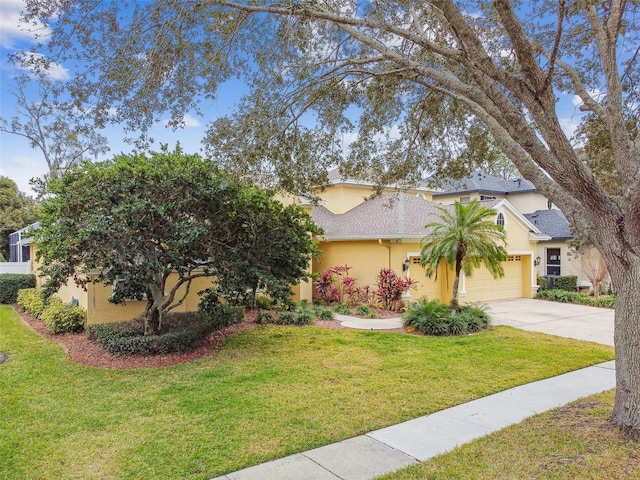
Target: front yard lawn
<point>267,393</point>
<point>568,443</point>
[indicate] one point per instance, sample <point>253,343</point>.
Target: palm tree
<point>464,237</point>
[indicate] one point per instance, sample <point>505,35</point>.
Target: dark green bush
<point>182,332</point>
<point>568,283</point>
<point>10,283</point>
<point>432,317</point>
<point>61,317</point>
<point>542,283</point>
<point>264,317</point>
<point>31,301</point>
<point>219,314</point>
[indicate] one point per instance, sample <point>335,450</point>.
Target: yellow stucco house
<point>385,232</point>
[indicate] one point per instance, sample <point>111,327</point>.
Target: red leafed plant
<point>391,287</point>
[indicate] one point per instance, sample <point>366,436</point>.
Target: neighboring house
<point>19,253</point>
<point>385,232</point>
<point>555,257</point>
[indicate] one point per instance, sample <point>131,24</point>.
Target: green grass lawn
<point>568,443</point>
<point>269,392</point>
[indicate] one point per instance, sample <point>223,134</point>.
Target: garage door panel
<point>482,287</point>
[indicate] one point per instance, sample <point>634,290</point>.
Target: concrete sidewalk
<point>398,446</point>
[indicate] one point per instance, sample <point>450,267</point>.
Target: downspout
<point>388,247</point>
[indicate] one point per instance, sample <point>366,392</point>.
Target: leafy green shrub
<point>11,283</point>
<point>365,311</point>
<point>61,317</point>
<point>323,312</point>
<point>542,283</point>
<point>286,318</point>
<point>263,302</point>
<point>305,314</point>
<point>568,283</point>
<point>343,309</point>
<point>219,314</point>
<point>31,301</point>
<point>301,314</point>
<point>183,332</point>
<point>428,316</point>
<point>575,297</point>
<point>264,318</point>
<point>432,317</point>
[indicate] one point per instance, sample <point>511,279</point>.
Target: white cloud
<point>596,94</point>
<point>188,121</point>
<point>12,30</point>
<point>54,70</point>
<point>21,168</point>
<point>569,125</point>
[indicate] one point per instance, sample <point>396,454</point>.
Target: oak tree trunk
<point>626,281</point>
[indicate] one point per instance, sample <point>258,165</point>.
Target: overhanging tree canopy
<point>425,70</point>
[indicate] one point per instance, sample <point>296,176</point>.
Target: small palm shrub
<point>432,317</point>
<point>323,312</point>
<point>60,318</point>
<point>343,309</point>
<point>365,311</point>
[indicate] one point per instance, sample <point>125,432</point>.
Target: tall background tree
<point>17,210</point>
<point>52,127</point>
<point>410,78</point>
<point>137,219</point>
<point>464,238</point>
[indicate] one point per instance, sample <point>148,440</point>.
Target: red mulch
<point>85,351</point>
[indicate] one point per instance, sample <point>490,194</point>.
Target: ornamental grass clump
<point>432,317</point>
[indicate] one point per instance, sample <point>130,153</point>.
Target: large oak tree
<point>411,78</point>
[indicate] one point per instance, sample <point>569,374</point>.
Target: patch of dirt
<point>82,350</point>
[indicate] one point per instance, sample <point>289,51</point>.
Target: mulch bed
<point>82,350</point>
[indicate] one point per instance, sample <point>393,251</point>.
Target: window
<point>415,260</point>
<point>500,219</point>
<point>465,199</point>
<point>514,258</point>
<point>487,197</point>
<point>553,261</point>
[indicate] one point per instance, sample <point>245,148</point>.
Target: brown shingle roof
<point>386,216</point>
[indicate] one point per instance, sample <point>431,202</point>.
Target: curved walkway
<point>395,447</point>
<point>369,323</point>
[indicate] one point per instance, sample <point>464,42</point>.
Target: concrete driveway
<point>562,319</point>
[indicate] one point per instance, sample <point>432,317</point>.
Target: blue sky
<point>20,162</point>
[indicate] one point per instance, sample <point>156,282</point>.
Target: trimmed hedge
<point>183,332</point>
<point>31,301</point>
<point>568,283</point>
<point>61,317</point>
<point>11,283</point>
<point>575,297</point>
<point>432,317</point>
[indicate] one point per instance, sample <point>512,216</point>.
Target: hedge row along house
<point>385,232</point>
